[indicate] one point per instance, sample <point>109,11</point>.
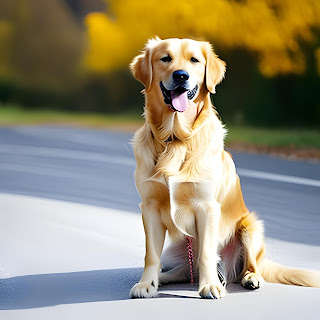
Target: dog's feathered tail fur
<point>277,273</point>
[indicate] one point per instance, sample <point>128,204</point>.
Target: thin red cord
<point>190,257</point>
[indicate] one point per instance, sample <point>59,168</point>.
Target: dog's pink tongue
<point>179,101</point>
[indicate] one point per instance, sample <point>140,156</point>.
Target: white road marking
<point>127,161</point>
<point>52,172</point>
<point>277,177</point>
<point>67,135</point>
<point>65,154</point>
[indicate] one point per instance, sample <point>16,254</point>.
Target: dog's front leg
<point>155,234</point>
<point>207,219</point>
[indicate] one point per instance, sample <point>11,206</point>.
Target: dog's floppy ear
<point>141,68</point>
<point>141,65</point>
<point>215,68</point>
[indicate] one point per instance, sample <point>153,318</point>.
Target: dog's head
<point>175,71</point>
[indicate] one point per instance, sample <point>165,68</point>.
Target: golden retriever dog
<point>188,182</point>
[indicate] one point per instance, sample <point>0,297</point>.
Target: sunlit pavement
<point>78,254</point>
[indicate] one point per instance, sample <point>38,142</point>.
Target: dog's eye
<point>194,60</point>
<point>166,59</point>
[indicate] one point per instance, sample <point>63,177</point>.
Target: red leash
<point>190,256</point>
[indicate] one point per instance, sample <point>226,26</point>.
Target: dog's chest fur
<point>185,174</point>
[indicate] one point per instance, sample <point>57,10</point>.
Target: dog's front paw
<point>212,291</point>
<point>251,281</point>
<point>143,290</point>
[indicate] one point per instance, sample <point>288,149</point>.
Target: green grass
<point>13,115</point>
<point>293,138</point>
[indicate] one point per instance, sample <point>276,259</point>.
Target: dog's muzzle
<point>177,98</point>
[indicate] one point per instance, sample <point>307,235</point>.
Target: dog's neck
<point>175,125</point>
<point>187,146</point>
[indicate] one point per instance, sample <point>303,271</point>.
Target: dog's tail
<point>277,273</point>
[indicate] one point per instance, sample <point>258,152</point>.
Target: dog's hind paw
<point>143,290</point>
<point>251,281</point>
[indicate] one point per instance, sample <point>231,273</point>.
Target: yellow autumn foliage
<point>273,30</point>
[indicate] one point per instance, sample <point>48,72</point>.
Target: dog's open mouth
<point>178,98</point>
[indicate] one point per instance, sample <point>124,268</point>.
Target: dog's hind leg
<point>174,263</point>
<point>251,235</point>
<point>176,269</point>
<point>177,274</point>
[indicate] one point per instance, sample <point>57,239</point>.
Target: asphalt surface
<point>96,167</point>
<point>72,243</point>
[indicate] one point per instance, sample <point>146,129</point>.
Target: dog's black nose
<point>180,75</point>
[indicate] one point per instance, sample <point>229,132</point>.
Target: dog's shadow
<point>36,291</point>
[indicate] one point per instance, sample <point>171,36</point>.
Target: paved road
<point>96,167</point>
<point>66,253</point>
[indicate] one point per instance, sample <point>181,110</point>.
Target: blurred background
<point>73,55</point>
<point>66,62</point>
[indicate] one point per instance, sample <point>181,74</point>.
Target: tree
<point>275,31</point>
<point>40,43</point>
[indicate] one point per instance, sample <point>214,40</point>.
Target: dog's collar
<point>170,138</point>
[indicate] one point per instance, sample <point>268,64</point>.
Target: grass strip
<point>13,115</point>
<point>279,138</point>
<point>293,138</point>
